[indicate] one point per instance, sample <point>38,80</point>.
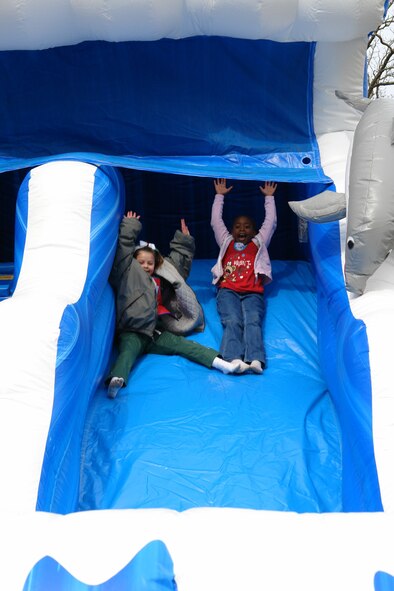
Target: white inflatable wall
<point>39,24</point>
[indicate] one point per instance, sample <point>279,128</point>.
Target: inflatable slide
<point>191,479</point>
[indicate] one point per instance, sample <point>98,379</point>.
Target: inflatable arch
<point>190,479</point>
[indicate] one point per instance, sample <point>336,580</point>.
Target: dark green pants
<point>132,345</point>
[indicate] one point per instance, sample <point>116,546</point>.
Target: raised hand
<point>269,188</point>
<point>184,228</point>
<point>221,186</point>
<point>132,214</point>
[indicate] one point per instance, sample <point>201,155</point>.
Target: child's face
<point>147,261</point>
<point>243,229</point>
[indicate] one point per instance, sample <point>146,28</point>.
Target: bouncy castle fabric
<point>271,69</point>
<point>202,106</point>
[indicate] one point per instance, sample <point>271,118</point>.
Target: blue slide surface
<point>181,436</point>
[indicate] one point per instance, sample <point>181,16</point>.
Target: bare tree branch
<point>380,56</point>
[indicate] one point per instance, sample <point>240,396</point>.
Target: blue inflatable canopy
<point>202,106</point>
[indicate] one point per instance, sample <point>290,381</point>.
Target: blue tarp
<point>196,107</point>
<point>183,106</point>
<point>182,436</point>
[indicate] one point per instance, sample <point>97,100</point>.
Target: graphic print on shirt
<point>236,268</point>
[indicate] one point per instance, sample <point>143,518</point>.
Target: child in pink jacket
<point>242,270</point>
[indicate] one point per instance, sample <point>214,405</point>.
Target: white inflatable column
<point>52,276</point>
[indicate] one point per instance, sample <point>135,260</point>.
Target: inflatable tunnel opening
<point>161,198</point>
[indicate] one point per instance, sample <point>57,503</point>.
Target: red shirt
<point>160,308</point>
<point>238,268</point>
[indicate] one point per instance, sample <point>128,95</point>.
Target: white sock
<point>256,366</point>
<point>114,386</point>
<point>226,366</point>
<point>241,365</point>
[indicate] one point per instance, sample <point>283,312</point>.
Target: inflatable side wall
<point>66,233</point>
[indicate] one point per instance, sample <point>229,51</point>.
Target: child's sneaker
<point>114,386</point>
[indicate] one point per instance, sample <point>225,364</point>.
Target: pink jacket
<point>223,237</point>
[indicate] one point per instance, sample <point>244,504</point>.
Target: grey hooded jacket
<point>136,309</point>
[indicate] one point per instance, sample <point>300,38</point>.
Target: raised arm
<point>129,230</point>
<point>270,220</point>
<point>219,228</point>
<point>182,249</point>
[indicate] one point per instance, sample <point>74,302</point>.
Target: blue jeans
<point>242,316</point>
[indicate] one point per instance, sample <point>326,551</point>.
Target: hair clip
<point>149,244</point>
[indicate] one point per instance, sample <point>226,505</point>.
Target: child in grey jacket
<point>155,308</point>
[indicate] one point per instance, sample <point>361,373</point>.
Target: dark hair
<point>157,256</point>
<point>247,217</point>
